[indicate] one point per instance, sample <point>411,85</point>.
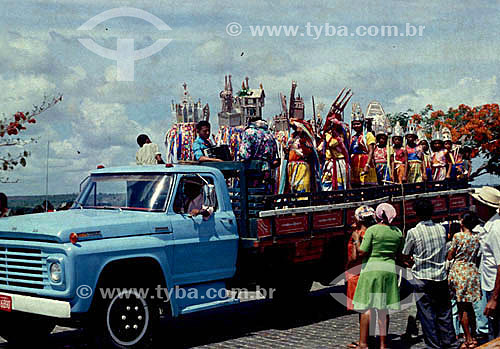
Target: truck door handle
<point>164,230</point>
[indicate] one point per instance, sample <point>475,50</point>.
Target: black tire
<point>21,329</point>
<point>127,320</point>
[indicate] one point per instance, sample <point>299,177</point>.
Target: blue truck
<point>130,252</point>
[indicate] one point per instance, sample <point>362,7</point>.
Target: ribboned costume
<point>399,156</point>
<point>415,157</point>
<point>358,151</point>
<point>381,155</point>
<point>335,169</point>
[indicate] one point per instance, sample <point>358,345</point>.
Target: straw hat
<point>488,196</point>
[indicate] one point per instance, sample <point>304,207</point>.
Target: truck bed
<point>313,228</point>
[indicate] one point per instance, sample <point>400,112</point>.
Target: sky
<point>454,61</point>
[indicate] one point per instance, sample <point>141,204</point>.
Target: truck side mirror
<point>209,195</point>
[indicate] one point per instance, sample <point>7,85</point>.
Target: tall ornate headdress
<point>411,127</point>
<point>379,126</point>
<point>446,134</point>
<point>357,113</point>
<point>436,135</point>
<point>421,134</point>
<point>398,130</point>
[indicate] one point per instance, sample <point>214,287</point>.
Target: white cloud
<point>470,91</point>
<point>22,91</point>
<point>76,75</point>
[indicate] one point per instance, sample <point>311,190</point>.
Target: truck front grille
<point>23,267</point>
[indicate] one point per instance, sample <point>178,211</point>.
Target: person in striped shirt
<point>425,250</point>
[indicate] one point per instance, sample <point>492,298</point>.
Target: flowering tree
<point>476,127</point>
<point>11,128</point>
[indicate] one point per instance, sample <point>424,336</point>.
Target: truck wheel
<point>126,320</point>
<point>23,328</point>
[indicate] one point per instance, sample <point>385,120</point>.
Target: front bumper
<point>40,306</point>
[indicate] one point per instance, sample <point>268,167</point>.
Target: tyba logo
<point>125,55</point>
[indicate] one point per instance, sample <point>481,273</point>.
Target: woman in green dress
<point>378,282</point>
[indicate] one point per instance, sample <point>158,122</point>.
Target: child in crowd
<point>441,162</point>
<point>466,153</point>
<point>399,157</point>
<point>416,170</point>
<point>426,155</point>
<point>381,155</point>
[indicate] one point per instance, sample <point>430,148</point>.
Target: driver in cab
<point>194,205</point>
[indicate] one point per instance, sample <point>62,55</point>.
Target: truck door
<point>205,248</point>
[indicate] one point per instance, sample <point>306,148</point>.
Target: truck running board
<point>211,305</point>
<point>203,296</point>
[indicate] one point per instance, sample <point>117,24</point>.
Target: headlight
<point>55,272</point>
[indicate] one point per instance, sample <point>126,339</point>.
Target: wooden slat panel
<point>291,224</point>
<point>439,204</point>
<point>328,219</point>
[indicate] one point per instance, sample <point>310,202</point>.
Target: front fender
<point>92,257</point>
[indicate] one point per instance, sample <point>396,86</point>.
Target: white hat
<point>421,134</point>
<point>446,133</point>
<point>411,128</point>
<point>436,135</point>
<point>379,127</point>
<point>398,130</point>
<point>357,113</point>
<point>488,196</point>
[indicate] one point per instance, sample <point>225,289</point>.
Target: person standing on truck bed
<point>361,149</point>
<point>399,157</point>
<point>148,153</point>
<point>203,142</point>
<point>336,166</point>
<point>300,151</point>
<point>258,143</point>
<point>415,172</point>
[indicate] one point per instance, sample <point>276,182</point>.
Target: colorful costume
<point>258,143</point>
<point>427,160</point>
<point>382,154</point>
<point>381,160</point>
<point>458,169</point>
<point>426,155</point>
<point>299,170</point>
<point>335,168</point>
<point>399,165</point>
<point>179,142</point>
<point>439,165</point>
<point>415,158</point>
<point>359,159</point>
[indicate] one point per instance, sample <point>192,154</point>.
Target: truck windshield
<point>145,192</point>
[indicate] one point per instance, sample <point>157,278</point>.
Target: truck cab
<point>129,228</point>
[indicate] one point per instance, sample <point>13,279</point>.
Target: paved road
<point>316,321</point>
